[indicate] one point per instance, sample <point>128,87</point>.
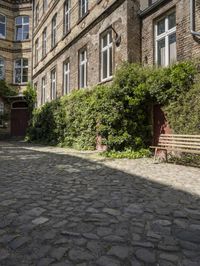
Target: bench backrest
<point>180,142</point>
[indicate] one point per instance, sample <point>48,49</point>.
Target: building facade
<point>78,44</point>
<point>15,61</point>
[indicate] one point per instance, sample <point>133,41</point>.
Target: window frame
<point>66,89</point>
<point>165,35</point>
<point>44,6</point>
<point>5,25</point>
<point>3,65</point>
<point>36,51</point>
<point>22,68</point>
<point>37,14</point>
<point>83,14</point>
<point>53,31</point>
<point>103,49</point>
<point>83,63</point>
<point>44,42</point>
<point>22,25</point>
<point>67,17</point>
<point>55,82</point>
<point>43,90</point>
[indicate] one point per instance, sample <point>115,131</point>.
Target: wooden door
<point>160,124</point>
<point>19,122</point>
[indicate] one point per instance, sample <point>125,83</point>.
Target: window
<point>165,32</point>
<point>44,42</point>
<point>67,8</point>
<point>106,56</point>
<point>21,28</point>
<point>53,92</point>
<point>21,71</point>
<point>66,72</point>
<point>53,31</point>
<point>37,10</point>
<point>2,26</point>
<point>2,68</point>
<point>43,91</point>
<point>45,5</point>
<point>83,8</point>
<point>83,68</point>
<point>36,51</point>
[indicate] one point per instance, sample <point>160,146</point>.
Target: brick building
<point>80,43</point>
<point>15,61</point>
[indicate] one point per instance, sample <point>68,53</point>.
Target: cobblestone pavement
<point>59,207</point>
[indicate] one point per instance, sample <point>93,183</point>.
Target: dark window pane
<point>161,27</point>
<point>105,64</point>
<point>172,20</point>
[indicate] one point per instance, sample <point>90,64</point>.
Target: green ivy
<point>5,90</point>
<point>119,113</point>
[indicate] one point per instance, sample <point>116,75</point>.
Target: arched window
<point>2,26</point>
<point>2,68</point>
<point>21,28</point>
<point>21,71</point>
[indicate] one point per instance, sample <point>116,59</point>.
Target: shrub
<point>119,113</point>
<point>183,114</point>
<point>130,154</point>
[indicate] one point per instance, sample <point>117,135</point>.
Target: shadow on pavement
<point>65,210</point>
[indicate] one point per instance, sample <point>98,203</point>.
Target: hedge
<point>119,113</point>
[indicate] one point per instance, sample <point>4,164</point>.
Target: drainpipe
<point>192,19</point>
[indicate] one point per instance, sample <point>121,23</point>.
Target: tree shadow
<point>59,209</point>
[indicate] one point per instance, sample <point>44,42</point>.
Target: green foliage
<point>119,113</point>
<point>30,96</point>
<point>130,154</point>
<point>183,114</point>
<point>166,84</point>
<point>5,90</point>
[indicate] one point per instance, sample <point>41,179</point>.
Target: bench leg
<point>166,156</point>
<point>155,155</point>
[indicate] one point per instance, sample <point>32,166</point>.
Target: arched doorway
<point>19,118</point>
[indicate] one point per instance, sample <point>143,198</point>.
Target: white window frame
<point>53,30</point>
<point>23,24</point>
<point>43,91</point>
<point>165,35</point>
<point>44,42</point>
<point>81,4</point>
<point>2,36</point>
<point>67,16</point>
<point>83,63</point>
<point>106,49</point>
<point>22,68</point>
<point>53,92</point>
<point>3,66</point>
<point>66,77</point>
<point>36,51</point>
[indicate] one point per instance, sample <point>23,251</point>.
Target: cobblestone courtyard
<point>59,207</point>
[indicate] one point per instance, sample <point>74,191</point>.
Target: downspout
<point>33,7</point>
<point>192,20</point>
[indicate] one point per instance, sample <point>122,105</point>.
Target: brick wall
<point>118,14</point>
<point>188,47</point>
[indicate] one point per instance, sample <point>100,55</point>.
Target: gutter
<point>192,19</point>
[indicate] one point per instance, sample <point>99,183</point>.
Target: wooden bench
<point>177,143</point>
